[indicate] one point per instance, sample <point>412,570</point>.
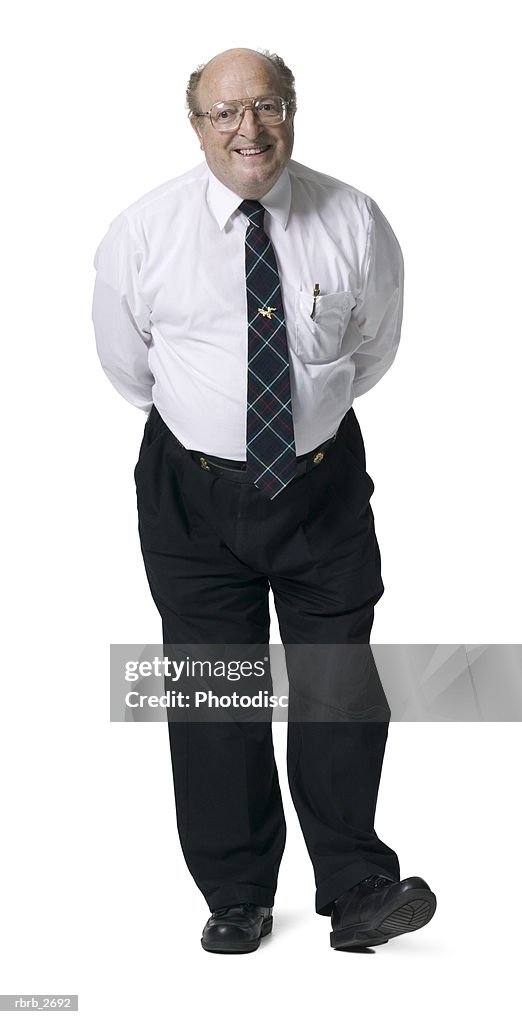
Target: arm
<point>378,314</point>
<point>120,316</point>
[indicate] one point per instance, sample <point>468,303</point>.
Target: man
<point>246,304</point>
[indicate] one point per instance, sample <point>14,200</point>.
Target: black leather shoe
<point>378,909</point>
<point>236,929</point>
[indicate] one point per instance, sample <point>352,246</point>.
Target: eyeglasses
<point>227,115</point>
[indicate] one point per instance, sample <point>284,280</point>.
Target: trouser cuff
<point>231,895</point>
<point>333,887</point>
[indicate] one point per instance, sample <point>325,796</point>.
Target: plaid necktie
<point>270,429</point>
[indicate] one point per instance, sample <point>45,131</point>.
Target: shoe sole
<point>411,911</point>
<point>238,947</point>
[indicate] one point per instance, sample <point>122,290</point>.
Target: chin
<point>264,181</point>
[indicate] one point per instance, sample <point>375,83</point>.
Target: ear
<point>195,124</point>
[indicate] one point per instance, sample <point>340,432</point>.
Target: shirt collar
<point>223,202</point>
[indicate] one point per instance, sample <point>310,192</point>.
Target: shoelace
<point>377,881</point>
<point>236,906</point>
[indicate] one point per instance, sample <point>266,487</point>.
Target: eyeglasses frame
<point>244,108</point>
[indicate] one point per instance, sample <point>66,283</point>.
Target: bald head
<point>238,59</point>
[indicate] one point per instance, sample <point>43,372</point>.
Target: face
<point>250,159</point>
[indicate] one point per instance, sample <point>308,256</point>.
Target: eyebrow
<point>248,99</point>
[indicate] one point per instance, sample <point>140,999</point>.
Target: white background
<point>416,105</point>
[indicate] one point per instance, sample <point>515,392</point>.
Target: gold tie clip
<point>267,312</point>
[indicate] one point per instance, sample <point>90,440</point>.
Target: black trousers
<point>212,548</point>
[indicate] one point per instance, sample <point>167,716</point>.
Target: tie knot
<point>254,211</point>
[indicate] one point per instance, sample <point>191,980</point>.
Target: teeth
<point>251,152</point>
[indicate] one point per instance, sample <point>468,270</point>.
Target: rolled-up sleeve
<point>378,313</point>
<point>120,315</point>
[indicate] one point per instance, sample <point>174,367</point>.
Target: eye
<point>270,109</point>
<point>225,113</point>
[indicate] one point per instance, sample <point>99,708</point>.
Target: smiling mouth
<point>252,151</point>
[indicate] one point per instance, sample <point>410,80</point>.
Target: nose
<point>250,126</point>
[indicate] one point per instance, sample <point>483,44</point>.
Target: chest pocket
<point>320,340</point>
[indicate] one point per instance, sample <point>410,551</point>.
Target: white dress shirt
<point>170,307</point>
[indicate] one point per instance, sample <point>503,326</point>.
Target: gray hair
<point>285,75</point>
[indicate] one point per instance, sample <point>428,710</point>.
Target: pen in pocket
<point>317,292</point>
